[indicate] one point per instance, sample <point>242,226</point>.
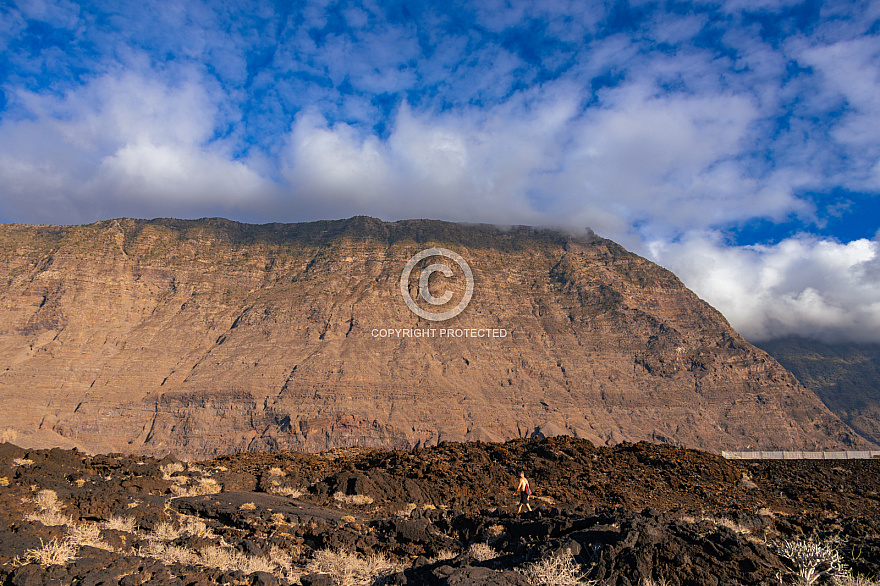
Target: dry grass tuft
<point>164,531</point>
<point>406,512</point>
<point>124,524</point>
<point>718,522</point>
<point>495,530</point>
<point>179,489</point>
<point>22,461</point>
<point>50,554</point>
<point>169,554</point>
<point>83,535</point>
<point>279,561</point>
<point>278,518</point>
<point>349,569</point>
<point>195,527</point>
<point>206,486</point>
<point>482,552</point>
<point>247,507</point>
<point>230,559</point>
<point>282,560</point>
<point>50,518</point>
<point>171,468</point>
<point>814,560</point>
<point>47,500</point>
<point>288,491</point>
<point>202,487</point>
<point>353,499</point>
<point>559,569</point>
<point>443,554</point>
<point>851,580</point>
<point>728,524</point>
<point>215,557</point>
<point>732,525</point>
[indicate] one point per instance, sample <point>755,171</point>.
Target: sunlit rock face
<point>209,336</point>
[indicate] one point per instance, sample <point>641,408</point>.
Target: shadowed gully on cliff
<point>209,336</point>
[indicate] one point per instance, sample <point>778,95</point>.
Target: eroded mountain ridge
<point>206,337</point>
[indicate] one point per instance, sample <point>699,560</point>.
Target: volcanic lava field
<point>635,514</point>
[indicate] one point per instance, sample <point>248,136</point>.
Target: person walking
<point>525,491</point>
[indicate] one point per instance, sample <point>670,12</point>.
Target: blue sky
<point>735,143</point>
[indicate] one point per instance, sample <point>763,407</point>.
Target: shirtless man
<point>524,491</point>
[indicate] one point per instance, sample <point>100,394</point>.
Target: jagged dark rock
<point>623,515</point>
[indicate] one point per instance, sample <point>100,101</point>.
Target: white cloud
<point>664,157</point>
<point>852,75</point>
<point>61,13</point>
<point>669,162</point>
<point>454,167</point>
<point>800,286</point>
<point>335,167</point>
<point>121,145</point>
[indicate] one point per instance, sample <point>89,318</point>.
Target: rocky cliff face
<point>209,336</point>
<point>845,376</point>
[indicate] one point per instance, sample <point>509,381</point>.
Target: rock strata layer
<point>208,337</point>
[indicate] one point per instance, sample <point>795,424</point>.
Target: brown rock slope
<point>207,337</point>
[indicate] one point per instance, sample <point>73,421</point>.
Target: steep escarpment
<point>846,376</point>
<point>207,337</point>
